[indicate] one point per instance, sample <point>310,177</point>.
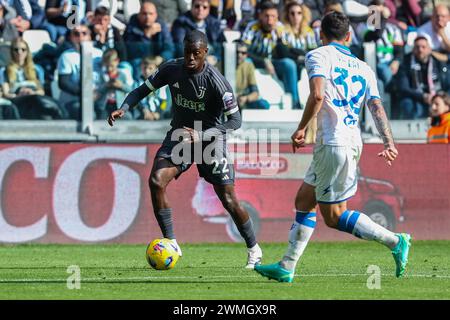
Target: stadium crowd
<point>133,37</point>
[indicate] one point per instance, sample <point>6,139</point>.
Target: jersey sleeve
<point>160,76</point>
<point>317,64</point>
<point>372,86</point>
<point>227,97</point>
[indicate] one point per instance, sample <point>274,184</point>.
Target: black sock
<point>246,231</point>
<point>164,217</point>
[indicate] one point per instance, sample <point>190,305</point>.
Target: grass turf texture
<point>215,271</point>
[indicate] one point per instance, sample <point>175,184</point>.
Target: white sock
<point>362,226</point>
<point>299,235</point>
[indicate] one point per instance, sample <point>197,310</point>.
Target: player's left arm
<point>384,129</point>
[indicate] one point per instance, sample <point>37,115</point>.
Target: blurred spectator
<point>246,89</point>
<point>148,35</point>
<point>224,11</point>
<point>20,84</point>
<point>8,31</point>
<point>404,13</point>
<point>158,104</point>
<point>439,131</point>
<point>262,36</point>
<point>112,87</point>
<point>69,79</point>
<point>116,11</point>
<point>438,29</point>
<point>105,35</point>
<point>30,15</point>
<point>198,18</point>
<point>247,13</point>
<point>168,11</point>
<point>419,77</point>
<point>61,14</point>
<point>389,43</point>
<point>301,38</point>
<point>8,111</point>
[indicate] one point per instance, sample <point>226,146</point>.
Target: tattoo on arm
<point>381,122</point>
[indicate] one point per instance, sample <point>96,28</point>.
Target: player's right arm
<point>318,67</point>
<point>154,82</point>
<point>313,105</point>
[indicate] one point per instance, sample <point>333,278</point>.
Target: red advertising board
<point>66,193</point>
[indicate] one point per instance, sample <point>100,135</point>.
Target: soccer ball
<point>162,254</point>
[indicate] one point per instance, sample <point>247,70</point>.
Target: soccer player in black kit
<point>200,95</point>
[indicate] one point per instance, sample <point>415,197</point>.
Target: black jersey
<point>205,96</point>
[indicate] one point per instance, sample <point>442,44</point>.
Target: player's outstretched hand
<point>191,135</point>
<point>389,154</point>
<point>298,139</point>
<point>116,114</point>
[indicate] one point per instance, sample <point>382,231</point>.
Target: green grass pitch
<point>215,271</point>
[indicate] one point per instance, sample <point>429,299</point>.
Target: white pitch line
<point>214,277</point>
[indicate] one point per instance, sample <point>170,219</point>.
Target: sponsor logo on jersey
<point>189,104</point>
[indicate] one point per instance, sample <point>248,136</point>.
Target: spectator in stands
<point>439,131</point>
<point>30,15</point>
<point>168,11</point>
<point>148,35</point>
<point>389,43</point>
<point>224,11</point>
<point>8,31</point>
<point>301,38</point>
<point>404,13</point>
<point>61,14</point>
<point>247,13</point>
<point>8,111</point>
<point>112,87</point>
<point>105,35</point>
<point>20,84</point>
<point>438,29</point>
<point>157,105</point>
<point>69,79</point>
<point>116,10</point>
<point>419,77</point>
<point>262,37</point>
<point>198,18</point>
<point>246,88</point>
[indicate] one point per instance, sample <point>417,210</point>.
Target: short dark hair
<point>335,26</point>
<point>101,11</point>
<point>195,36</point>
<point>421,37</point>
<point>266,5</point>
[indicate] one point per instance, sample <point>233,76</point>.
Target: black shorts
<point>216,167</point>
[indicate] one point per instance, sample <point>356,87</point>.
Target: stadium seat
<point>271,89</point>
<point>231,35</point>
<point>130,7</point>
<point>36,39</point>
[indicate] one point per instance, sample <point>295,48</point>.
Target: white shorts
<point>334,172</point>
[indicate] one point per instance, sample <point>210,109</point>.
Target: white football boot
<point>178,248</point>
